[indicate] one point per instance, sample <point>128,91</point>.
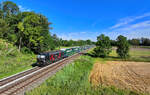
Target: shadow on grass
<point>34,64</point>
<point>108,57</point>
<point>145,57</point>
<point>89,54</point>
<point>116,58</point>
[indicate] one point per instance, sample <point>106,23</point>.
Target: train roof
<point>52,52</point>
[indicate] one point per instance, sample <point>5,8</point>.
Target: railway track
<point>24,81</point>
<point>16,76</point>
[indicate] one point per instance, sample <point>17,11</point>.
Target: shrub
<point>26,50</point>
<point>103,46</point>
<point>122,47</point>
<point>7,49</point>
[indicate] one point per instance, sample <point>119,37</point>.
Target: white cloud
<point>23,9</point>
<point>138,30</point>
<point>81,35</point>
<point>127,20</point>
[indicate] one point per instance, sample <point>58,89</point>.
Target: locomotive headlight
<point>41,56</point>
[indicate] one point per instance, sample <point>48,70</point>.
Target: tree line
<point>29,31</point>
<point>140,42</point>
<point>135,42</point>
<point>104,45</point>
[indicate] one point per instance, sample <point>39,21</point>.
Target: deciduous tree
<point>103,46</point>
<point>122,47</point>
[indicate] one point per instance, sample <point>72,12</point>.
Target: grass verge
<point>13,65</point>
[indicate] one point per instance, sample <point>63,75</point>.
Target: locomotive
<point>47,58</point>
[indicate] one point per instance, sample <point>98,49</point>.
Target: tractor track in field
<point>20,83</point>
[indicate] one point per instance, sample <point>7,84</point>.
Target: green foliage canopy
<point>122,47</point>
<point>103,46</point>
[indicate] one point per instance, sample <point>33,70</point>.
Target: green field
<point>136,54</point>
<point>73,80</point>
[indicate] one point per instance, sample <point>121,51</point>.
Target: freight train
<point>47,58</point>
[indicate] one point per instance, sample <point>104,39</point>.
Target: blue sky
<point>86,19</point>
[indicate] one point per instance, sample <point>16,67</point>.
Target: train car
<point>67,52</point>
<point>77,49</point>
<point>49,57</point>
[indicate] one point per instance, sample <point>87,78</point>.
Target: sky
<point>87,19</point>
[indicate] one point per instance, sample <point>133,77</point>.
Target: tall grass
<point>12,61</point>
<point>73,80</point>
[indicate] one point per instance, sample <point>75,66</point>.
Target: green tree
<point>103,46</point>
<point>88,42</point>
<point>8,13</point>
<point>145,41</point>
<point>3,28</point>
<point>135,42</point>
<point>32,32</point>
<point>1,11</point>
<point>56,40</point>
<point>27,30</point>
<point>113,43</point>
<point>20,32</point>
<point>9,8</point>
<point>122,47</point>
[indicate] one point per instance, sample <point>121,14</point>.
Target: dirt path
<point>127,75</point>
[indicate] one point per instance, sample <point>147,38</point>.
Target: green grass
<point>12,61</point>
<point>136,54</point>
<point>73,80</point>
<point>13,65</point>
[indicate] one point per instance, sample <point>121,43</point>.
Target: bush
<point>122,47</point>
<point>7,49</point>
<point>103,46</point>
<point>26,50</point>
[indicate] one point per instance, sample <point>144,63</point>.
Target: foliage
<point>103,46</point>
<point>30,30</point>
<point>122,47</point>
<point>25,29</point>
<point>135,42</point>
<point>113,43</point>
<point>141,42</point>
<point>75,43</point>
<point>12,61</point>
<point>56,40</point>
<point>145,41</point>
<point>3,28</point>
<point>9,8</point>
<point>137,54</point>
